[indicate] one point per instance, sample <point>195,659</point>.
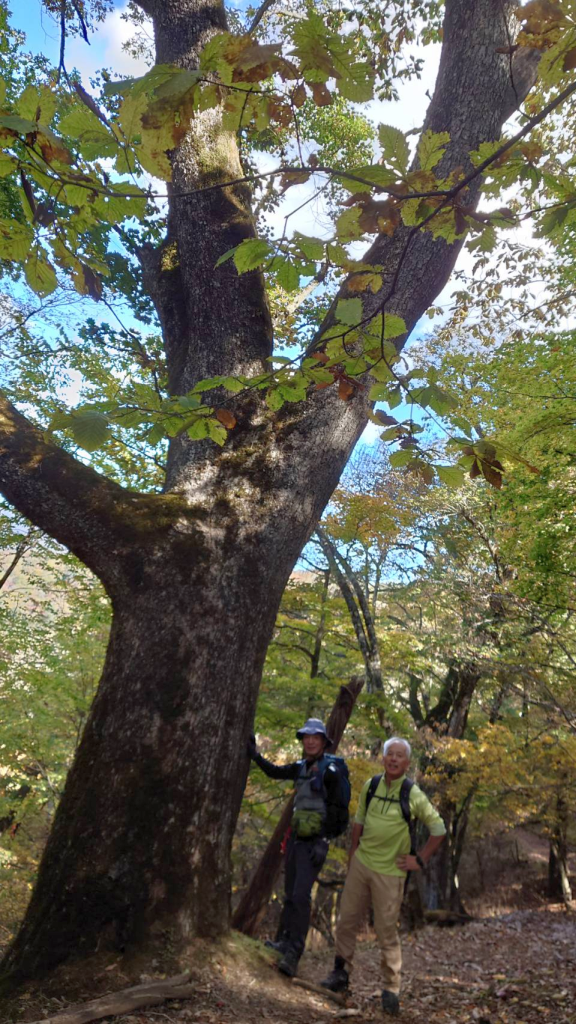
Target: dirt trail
<point>519,968</point>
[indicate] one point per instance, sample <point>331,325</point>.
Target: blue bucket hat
<point>313,727</point>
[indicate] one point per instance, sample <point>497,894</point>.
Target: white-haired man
<point>379,859</point>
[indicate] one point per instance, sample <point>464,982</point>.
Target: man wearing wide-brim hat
<point>309,832</point>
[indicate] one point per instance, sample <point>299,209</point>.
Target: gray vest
<point>308,798</point>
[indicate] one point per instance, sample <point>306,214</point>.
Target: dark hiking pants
<point>300,875</point>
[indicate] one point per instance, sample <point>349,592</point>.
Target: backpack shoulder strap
<point>372,789</point>
<point>405,789</point>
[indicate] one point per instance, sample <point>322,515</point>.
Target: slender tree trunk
<point>558,879</point>
<point>440,888</point>
<point>253,903</point>
<point>359,611</point>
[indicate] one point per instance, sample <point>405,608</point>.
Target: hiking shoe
<point>390,1003</point>
<point>278,947</point>
<point>289,963</point>
<point>337,980</point>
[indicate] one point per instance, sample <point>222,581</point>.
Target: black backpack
<point>403,800</point>
<point>337,797</point>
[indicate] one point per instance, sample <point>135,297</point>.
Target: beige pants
<point>385,892</point>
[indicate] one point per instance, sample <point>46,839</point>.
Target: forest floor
<point>513,968</point>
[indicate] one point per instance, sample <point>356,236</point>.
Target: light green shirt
<point>386,835</point>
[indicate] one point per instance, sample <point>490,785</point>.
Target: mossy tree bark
<point>142,835</point>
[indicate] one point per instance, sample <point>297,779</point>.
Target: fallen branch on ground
<point>325,992</point>
<point>151,993</point>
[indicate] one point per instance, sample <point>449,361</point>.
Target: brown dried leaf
<point>569,62</point>
<point>226,418</point>
<point>299,95</point>
<point>290,178</point>
<point>320,94</point>
<point>345,390</point>
<point>52,149</point>
<point>361,282</point>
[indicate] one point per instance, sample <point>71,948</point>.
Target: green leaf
<point>401,458</point>
<point>382,372</point>
<point>199,429</point>
<point>288,276</point>
<point>394,326</point>
<point>291,393</point>
<point>233,384</point>
<point>90,428</point>
<point>120,203</point>
<point>312,248</point>
<point>20,125</point>
<point>7,164</point>
<point>40,274</point>
<point>274,399</point>
<point>311,47</point>
<point>395,149</point>
<point>15,240</point>
<point>347,227</point>
<point>450,475</point>
<point>485,242</point>
<point>155,434</point>
<point>27,104</point>
<point>207,384</point>
<point>357,84</point>
<point>92,137</point>
<point>147,397</point>
<point>250,254</point>
<point>217,432</point>
<point>349,311</point>
<point>376,174</point>
<point>390,434</point>
<point>379,393</point>
<point>441,402</point>
<point>431,149</point>
<point>337,255</point>
<point>225,256</point>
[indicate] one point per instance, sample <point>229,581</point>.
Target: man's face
<point>313,745</point>
<point>396,761</point>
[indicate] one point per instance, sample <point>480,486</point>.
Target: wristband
<point>420,862</point>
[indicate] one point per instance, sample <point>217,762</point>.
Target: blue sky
<point>105,49</point>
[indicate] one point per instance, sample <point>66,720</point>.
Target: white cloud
<point>106,49</point>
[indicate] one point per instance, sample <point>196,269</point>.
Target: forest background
<point>443,571</point>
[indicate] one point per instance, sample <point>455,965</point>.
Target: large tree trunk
<point>142,836</point>
<point>156,747</point>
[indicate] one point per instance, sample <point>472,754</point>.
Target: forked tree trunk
<point>141,840</point>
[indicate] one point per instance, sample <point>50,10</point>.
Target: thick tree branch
<point>92,516</point>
